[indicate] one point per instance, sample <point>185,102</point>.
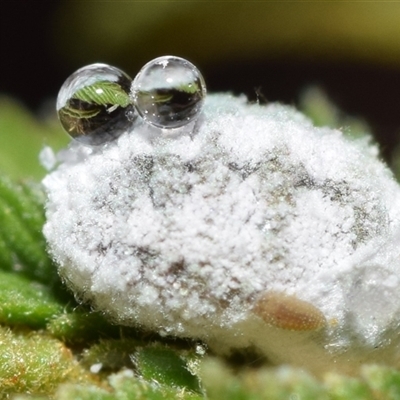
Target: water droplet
<point>96,368</point>
<point>200,350</point>
<point>168,92</point>
<point>47,158</point>
<point>93,104</point>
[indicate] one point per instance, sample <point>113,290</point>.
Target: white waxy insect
<point>257,230</point>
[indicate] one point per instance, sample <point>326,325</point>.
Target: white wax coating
<point>183,233</point>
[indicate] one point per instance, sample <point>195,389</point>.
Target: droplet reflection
<point>168,92</point>
<point>93,104</point>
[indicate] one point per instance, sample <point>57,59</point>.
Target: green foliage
<point>21,139</point>
<point>112,354</point>
<point>26,302</point>
<point>221,383</point>
<point>341,388</point>
<point>140,389</point>
<point>165,366</point>
<point>22,245</point>
<point>104,93</point>
<point>374,383</point>
<point>124,385</point>
<point>34,363</point>
<point>323,112</point>
<point>384,382</point>
<point>79,326</point>
<point>153,362</point>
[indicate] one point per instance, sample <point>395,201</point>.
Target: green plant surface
<point>124,385</point>
<point>22,137</point>
<point>111,354</point>
<point>315,103</point>
<point>153,362</point>
<point>384,382</point>
<point>341,388</point>
<point>165,366</point>
<point>34,363</point>
<point>26,302</point>
<point>21,239</point>
<point>80,326</point>
<point>373,383</point>
<point>111,93</point>
<point>221,383</point>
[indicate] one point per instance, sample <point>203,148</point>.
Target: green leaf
<point>79,327</point>
<point>383,381</point>
<point>34,363</point>
<point>112,355</point>
<point>103,93</point>
<point>84,392</point>
<point>25,302</point>
<point>188,87</point>
<point>73,115</point>
<point>222,384</point>
<point>123,386</point>
<point>342,388</point>
<point>315,103</point>
<point>161,364</point>
<point>373,382</point>
<point>22,137</point>
<point>156,362</point>
<point>22,245</point>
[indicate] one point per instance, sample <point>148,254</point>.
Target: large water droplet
<point>93,104</point>
<point>168,92</point>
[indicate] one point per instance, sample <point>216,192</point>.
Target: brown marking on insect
<point>333,322</point>
<point>288,312</point>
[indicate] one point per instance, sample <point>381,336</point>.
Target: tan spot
<point>333,322</point>
<point>289,312</point>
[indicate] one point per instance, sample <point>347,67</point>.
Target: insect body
<point>257,230</point>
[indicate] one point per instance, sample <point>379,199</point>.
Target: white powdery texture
<point>183,233</point>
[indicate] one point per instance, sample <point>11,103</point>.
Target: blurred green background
<point>350,49</point>
<point>273,50</point>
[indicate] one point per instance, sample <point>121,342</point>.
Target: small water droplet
<point>47,158</point>
<point>168,92</point>
<point>93,104</point>
<point>200,350</point>
<point>96,368</point>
